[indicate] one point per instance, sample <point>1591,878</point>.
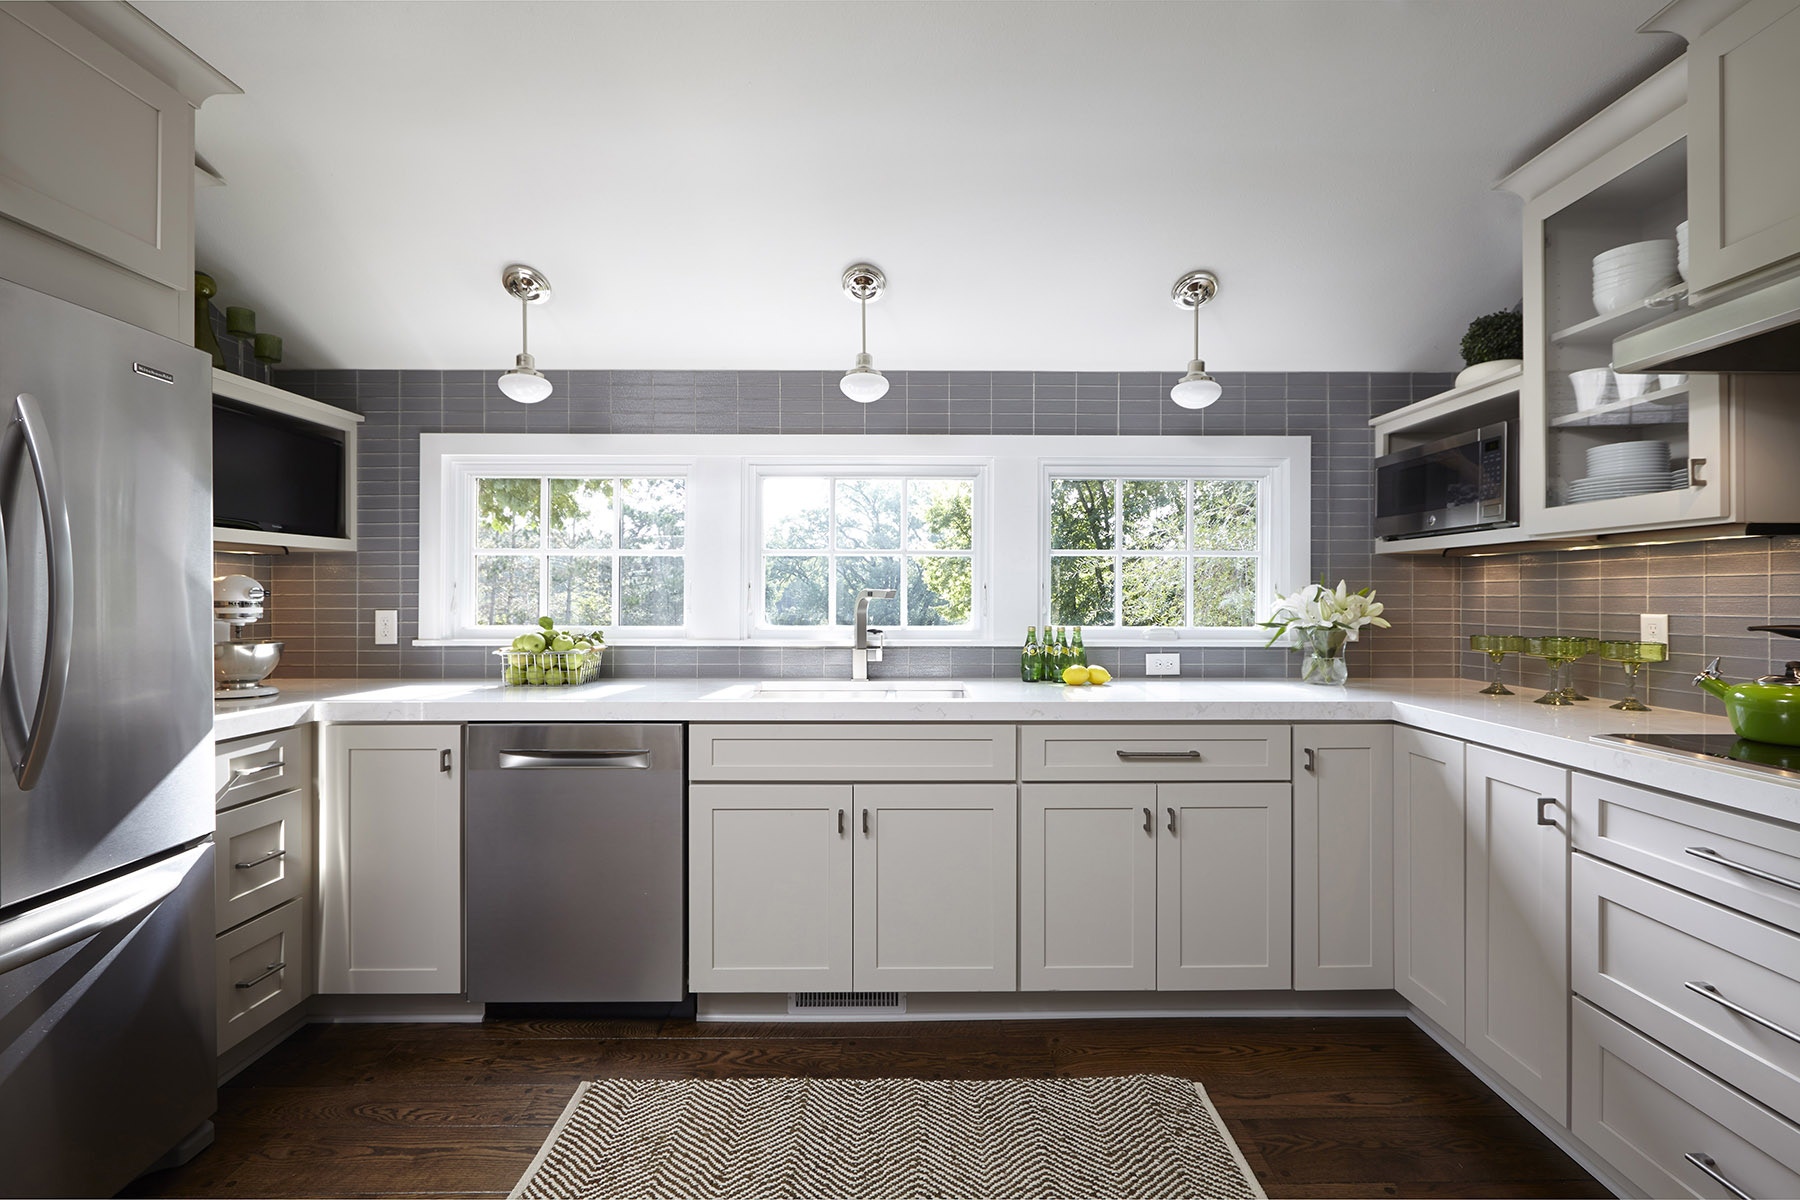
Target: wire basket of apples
<point>551,657</point>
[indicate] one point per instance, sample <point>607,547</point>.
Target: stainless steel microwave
<point>1452,485</point>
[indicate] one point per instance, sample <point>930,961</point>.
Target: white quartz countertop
<point>1452,707</point>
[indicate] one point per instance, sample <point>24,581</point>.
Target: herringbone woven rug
<point>1143,1137</point>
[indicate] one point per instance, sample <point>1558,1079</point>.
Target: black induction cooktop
<point>1716,747</point>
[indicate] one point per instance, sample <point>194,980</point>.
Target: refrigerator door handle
<point>41,933</point>
<point>27,425</point>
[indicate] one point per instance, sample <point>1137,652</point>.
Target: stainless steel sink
<point>859,689</point>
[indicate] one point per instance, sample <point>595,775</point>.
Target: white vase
<point>1484,371</point>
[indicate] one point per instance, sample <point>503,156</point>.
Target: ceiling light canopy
<point>862,382</point>
<point>1196,389</point>
<point>525,383</point>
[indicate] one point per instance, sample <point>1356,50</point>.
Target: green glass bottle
<point>1031,659</point>
<point>1077,651</point>
<point>1059,658</point>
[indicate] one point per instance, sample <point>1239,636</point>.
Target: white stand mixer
<point>239,667</point>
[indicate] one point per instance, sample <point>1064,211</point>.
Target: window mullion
<point>1187,566</point>
<point>1118,539</point>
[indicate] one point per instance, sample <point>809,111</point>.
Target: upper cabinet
<point>1743,100</point>
<point>110,228</point>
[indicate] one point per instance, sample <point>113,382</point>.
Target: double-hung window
<point>822,537</point>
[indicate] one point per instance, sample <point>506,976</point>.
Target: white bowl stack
<point>1626,469</point>
<point>1681,259</point>
<point>1626,276</point>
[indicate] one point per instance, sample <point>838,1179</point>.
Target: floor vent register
<point>846,1003</point>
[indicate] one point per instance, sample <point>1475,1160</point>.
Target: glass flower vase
<point>1322,656</point>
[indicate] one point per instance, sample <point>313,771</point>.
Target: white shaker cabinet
<point>1517,895</point>
<point>1343,857</point>
<point>1087,887</point>
<point>769,887</point>
<point>1743,172</point>
<point>390,862</point>
<point>935,887</point>
<point>1429,937</point>
<point>1224,878</point>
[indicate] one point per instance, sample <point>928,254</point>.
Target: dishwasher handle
<point>561,760</point>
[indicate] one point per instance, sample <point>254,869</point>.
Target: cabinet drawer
<point>851,753</point>
<point>1155,752</point>
<point>264,858</point>
<point>1693,846</point>
<point>1640,951</point>
<point>250,768</point>
<point>1644,1110</point>
<point>262,972</point>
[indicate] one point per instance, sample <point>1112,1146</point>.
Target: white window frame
<point>1281,556</point>
<point>975,470</point>
<point>723,527</point>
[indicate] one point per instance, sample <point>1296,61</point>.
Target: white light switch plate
<point>1162,664</point>
<point>387,627</point>
<point>1653,627</point>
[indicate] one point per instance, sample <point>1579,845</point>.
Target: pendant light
<point>1196,389</point>
<point>862,382</point>
<point>525,383</point>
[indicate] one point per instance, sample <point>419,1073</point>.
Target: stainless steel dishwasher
<point>573,863</point>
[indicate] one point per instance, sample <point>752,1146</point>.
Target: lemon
<point>1075,676</point>
<point>1099,675</point>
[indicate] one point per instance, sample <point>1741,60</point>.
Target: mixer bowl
<point>244,664</point>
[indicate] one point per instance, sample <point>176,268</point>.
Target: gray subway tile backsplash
<point>320,604</point>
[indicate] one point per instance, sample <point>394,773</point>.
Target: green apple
<point>515,676</point>
<point>562,641</point>
<point>555,677</point>
<point>534,674</point>
<point>529,642</point>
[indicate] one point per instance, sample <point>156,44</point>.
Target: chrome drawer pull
<point>268,971</point>
<point>1706,1164</point>
<point>1717,997</point>
<point>270,857</point>
<point>240,774</point>
<point>1708,854</point>
<point>1158,755</point>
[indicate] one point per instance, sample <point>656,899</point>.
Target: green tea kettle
<point>1767,710</point>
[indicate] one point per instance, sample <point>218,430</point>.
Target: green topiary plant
<point>1497,335</point>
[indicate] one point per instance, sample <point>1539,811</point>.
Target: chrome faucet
<point>865,652</point>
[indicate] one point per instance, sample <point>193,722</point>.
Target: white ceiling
<point>694,177</point>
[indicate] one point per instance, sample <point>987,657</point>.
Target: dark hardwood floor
<point>1363,1107</point>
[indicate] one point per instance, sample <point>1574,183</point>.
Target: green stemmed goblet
<point>1633,656</point>
<point>1558,653</point>
<point>1497,647</point>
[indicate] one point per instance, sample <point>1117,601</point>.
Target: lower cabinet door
<point>1087,887</point>
<point>1343,857</point>
<point>1224,881</point>
<point>1518,923</point>
<point>769,887</point>
<point>1669,1127</point>
<point>936,884</point>
<point>1429,938</point>
<point>261,972</point>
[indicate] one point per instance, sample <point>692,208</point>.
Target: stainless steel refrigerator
<point>107,1028</point>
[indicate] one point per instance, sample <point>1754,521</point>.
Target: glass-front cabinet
<point>1606,451</point>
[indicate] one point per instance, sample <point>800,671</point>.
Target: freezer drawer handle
<point>1158,755</point>
<point>1717,997</point>
<point>270,857</point>
<point>256,979</point>
<point>1705,1163</point>
<point>240,774</point>
<point>554,760</point>
<point>41,933</point>
<point>1708,854</point>
<point>59,633</point>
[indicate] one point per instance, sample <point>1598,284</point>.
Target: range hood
<point>1757,332</point>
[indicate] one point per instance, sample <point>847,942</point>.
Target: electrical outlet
<point>1653,627</point>
<point>387,627</point>
<point>1162,664</point>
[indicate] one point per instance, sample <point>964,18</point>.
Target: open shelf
<point>1457,409</point>
<point>1602,331</point>
<point>1601,414</point>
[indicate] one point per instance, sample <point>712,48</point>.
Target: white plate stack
<point>1626,276</point>
<point>1626,469</point>
<point>1681,250</point>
